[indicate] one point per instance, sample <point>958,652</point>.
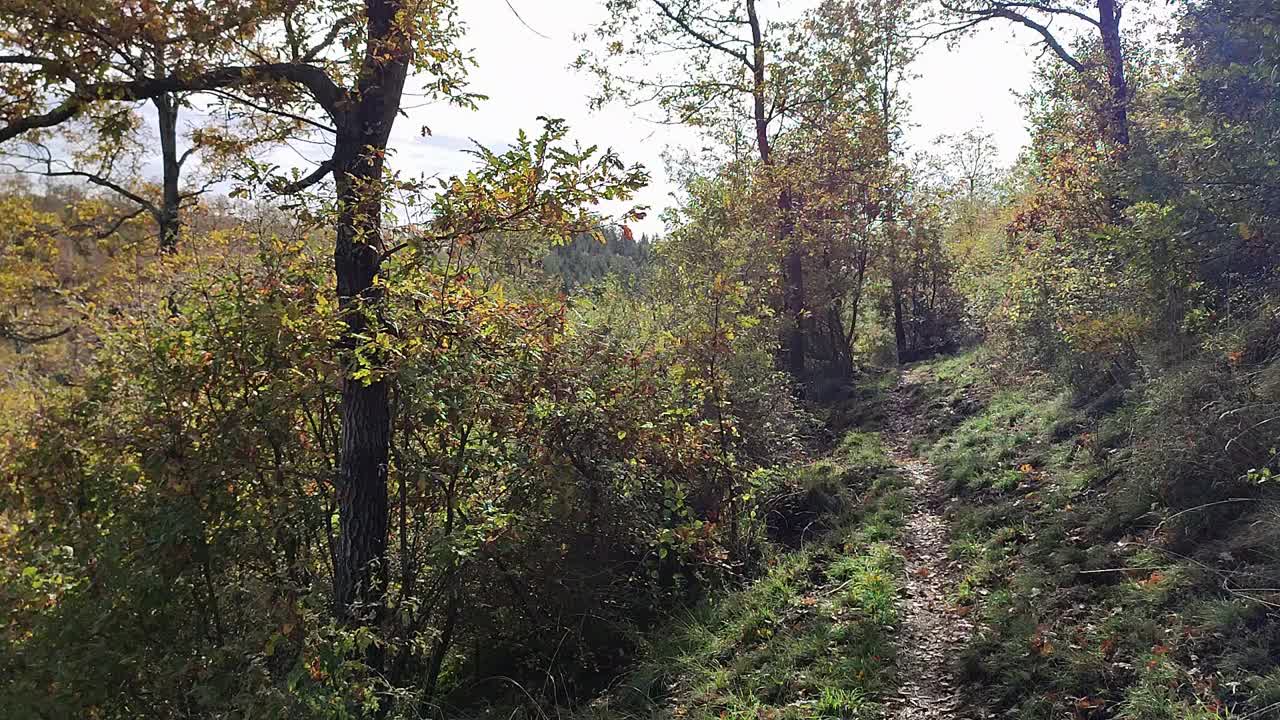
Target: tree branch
<point>1047,35</point>
<point>273,111</point>
<point>1052,10</point>
<point>303,183</point>
<point>108,184</point>
<point>114,226</point>
<point>56,116</point>
<point>328,39</point>
<point>94,178</point>
<point>9,333</point>
<point>44,62</point>
<point>197,193</point>
<point>1012,11</point>
<point>182,160</point>
<point>322,88</point>
<point>702,37</point>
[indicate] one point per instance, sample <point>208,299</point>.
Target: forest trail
<point>933,630</point>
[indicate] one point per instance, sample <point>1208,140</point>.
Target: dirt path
<point>932,632</point>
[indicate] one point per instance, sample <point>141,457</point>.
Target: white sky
<point>526,76</point>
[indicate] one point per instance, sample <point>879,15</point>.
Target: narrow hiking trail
<point>932,630</point>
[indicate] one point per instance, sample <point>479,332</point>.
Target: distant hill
<point>587,260</point>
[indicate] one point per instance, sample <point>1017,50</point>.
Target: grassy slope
<point>812,637</point>
<point>1119,559</point>
<point>1105,588</point>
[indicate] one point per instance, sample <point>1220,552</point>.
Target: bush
<point>169,522</point>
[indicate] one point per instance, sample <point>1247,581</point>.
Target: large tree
<point>1101,17</point>
<point>351,62</point>
<point>362,113</point>
<point>55,52</point>
<point>740,76</point>
<point>726,69</point>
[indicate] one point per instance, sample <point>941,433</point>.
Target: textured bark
<point>360,570</point>
<point>168,217</point>
<point>363,132</point>
<point>1117,84</point>
<point>758,85</point>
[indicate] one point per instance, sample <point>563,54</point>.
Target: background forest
<point>339,442</point>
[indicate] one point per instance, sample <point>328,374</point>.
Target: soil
<point>933,629</point>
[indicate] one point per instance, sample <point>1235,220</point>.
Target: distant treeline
<point>590,258</point>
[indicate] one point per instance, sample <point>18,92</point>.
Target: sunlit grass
<point>812,637</point>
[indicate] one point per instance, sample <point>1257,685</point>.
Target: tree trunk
<point>1117,86</point>
<point>363,509</point>
<point>793,259</point>
<point>793,289</point>
<point>363,512</point>
<point>856,304</point>
<point>443,643</point>
<point>168,219</point>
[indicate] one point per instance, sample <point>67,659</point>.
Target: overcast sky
<point>524,68</point>
<point>526,75</point>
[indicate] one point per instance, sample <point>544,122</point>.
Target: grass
<point>1100,589</point>
<point>1095,597</point>
<point>944,392</point>
<point>854,486</point>
<point>1001,447</point>
<point>813,636</point>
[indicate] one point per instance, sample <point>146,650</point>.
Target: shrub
<point>552,487</point>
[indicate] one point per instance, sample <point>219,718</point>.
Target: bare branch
<point>274,111</point>
<point>1048,38</point>
<point>206,187</point>
<point>105,183</point>
<point>182,160</point>
<point>303,183</point>
<point>702,37</point>
<point>329,38</point>
<point>529,27</point>
<point>1052,10</point>
<point>1018,12</point>
<point>111,229</point>
<point>96,179</point>
<point>9,333</point>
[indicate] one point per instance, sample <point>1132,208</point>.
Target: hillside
<point>314,408</point>
<point>987,550</point>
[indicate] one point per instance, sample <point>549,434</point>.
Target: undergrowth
<point>1118,552</point>
<point>813,636</point>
